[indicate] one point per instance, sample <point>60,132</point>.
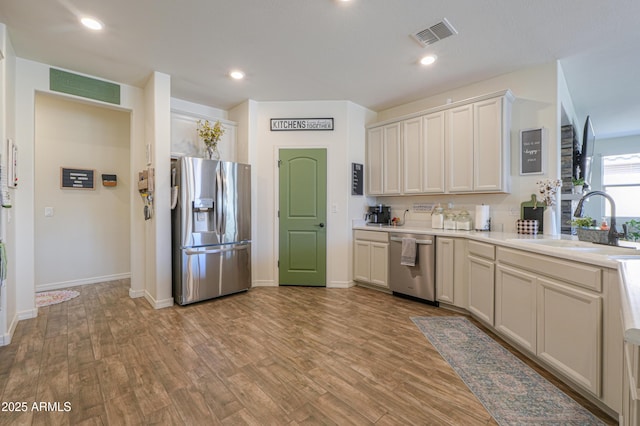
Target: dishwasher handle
<point>424,242</point>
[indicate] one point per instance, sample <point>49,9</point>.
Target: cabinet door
<point>379,263</point>
<point>445,269</point>
<point>362,261</point>
<point>433,152</point>
<point>570,332</point>
<point>460,149</point>
<point>489,155</point>
<point>481,288</point>
<point>374,164</point>
<point>392,159</point>
<point>412,147</point>
<point>516,306</point>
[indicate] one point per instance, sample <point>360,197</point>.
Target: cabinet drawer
<point>487,251</point>
<point>579,274</point>
<point>379,236</point>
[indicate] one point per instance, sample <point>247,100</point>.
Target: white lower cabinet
<point>371,257</point>
<point>570,332</point>
<point>451,272</point>
<point>482,281</point>
<point>631,386</point>
<point>481,288</point>
<point>516,306</point>
<point>553,309</point>
<point>445,269</point>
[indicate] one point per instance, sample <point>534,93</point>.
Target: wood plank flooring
<point>270,356</point>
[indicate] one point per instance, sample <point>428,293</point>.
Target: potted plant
<point>632,230</point>
<point>582,222</point>
<point>587,232</point>
<point>548,188</point>
<point>578,185</point>
<point>210,135</point>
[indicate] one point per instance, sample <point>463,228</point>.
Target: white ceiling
<point>326,49</point>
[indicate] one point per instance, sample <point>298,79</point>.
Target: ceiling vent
<point>442,29</point>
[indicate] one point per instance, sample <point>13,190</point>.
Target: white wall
<point>536,105</point>
<point>8,318</point>
<point>184,134</point>
<point>87,238</point>
<point>157,95</point>
<point>344,144</point>
<point>32,77</point>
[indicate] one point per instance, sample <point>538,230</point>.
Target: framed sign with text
<point>293,124</point>
<point>77,178</point>
<point>532,146</point>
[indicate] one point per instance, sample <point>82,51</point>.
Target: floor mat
<point>47,298</point>
<point>512,392</point>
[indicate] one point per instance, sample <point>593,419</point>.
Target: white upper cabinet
<point>413,158</point>
<point>460,149</point>
<point>392,159</point>
<point>374,164</point>
<point>491,153</point>
<point>433,153</point>
<point>457,148</point>
<point>384,160</point>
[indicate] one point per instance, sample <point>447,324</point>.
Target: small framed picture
<point>532,155</point>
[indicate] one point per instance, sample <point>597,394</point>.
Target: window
<point>621,180</point>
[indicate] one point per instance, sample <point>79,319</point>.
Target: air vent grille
<point>434,33</point>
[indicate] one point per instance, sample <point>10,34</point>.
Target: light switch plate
<point>48,211</point>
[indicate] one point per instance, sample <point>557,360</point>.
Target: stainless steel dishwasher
<point>417,281</point>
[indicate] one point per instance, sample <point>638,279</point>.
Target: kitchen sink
<point>553,243</point>
<point>628,250</point>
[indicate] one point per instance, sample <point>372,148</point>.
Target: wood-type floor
<point>270,356</point>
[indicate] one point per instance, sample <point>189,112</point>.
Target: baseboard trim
<point>6,338</point>
<point>84,281</point>
<point>134,294</point>
<point>158,304</point>
<point>28,314</point>
<point>264,283</point>
<point>340,284</point>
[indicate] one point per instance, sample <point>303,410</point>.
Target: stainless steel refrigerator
<point>211,228</point>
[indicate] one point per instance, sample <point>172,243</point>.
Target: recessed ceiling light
<point>92,23</point>
<point>236,75</point>
<point>428,60</point>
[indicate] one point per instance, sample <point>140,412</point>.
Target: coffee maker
<point>378,215</point>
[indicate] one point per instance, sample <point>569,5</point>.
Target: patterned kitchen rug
<point>46,298</point>
<point>512,392</point>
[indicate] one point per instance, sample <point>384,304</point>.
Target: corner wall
<point>8,317</point>
<point>32,77</point>
<point>345,144</point>
<point>86,239</point>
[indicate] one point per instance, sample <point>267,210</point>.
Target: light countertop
<point>625,260</point>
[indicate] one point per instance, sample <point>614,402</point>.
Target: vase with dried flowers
<point>548,188</point>
<point>210,135</point>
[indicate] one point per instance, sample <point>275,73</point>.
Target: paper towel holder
<point>482,219</point>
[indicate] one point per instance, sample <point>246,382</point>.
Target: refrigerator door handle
<point>217,250</point>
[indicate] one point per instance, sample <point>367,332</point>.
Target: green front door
<point>303,217</point>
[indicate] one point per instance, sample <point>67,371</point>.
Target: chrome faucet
<point>613,233</point>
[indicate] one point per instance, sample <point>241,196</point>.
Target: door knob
<point>321,225</point>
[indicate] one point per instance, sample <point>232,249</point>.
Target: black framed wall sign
<point>532,146</point>
<point>77,178</point>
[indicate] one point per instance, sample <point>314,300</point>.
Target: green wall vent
<point>79,85</point>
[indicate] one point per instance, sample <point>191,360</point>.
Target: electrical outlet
<point>48,211</point>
